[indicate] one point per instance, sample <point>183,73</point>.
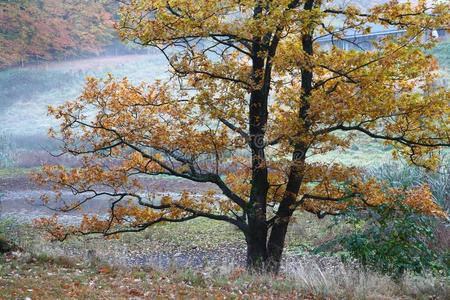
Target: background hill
<point>33,30</point>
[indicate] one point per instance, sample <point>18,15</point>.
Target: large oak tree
<point>251,98</point>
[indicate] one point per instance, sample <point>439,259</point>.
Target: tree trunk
<point>286,209</point>
<point>256,252</point>
<point>289,203</point>
<point>263,257</point>
<point>276,246</point>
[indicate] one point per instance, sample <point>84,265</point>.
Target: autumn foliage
<point>51,29</point>
<point>252,98</point>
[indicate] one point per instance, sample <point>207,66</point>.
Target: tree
<point>252,96</point>
<point>49,29</point>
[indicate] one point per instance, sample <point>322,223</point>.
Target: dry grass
<point>24,276</point>
<point>350,281</point>
<point>44,277</point>
<point>194,260</point>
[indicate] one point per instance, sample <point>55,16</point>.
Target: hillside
<point>25,93</point>
<point>49,30</point>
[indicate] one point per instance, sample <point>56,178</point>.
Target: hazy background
<point>26,90</point>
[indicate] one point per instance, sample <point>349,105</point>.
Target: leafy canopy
<point>251,97</point>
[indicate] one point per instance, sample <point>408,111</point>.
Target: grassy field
<point>205,241</point>
<point>26,92</point>
<point>42,278</point>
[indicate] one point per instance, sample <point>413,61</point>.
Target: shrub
<point>392,239</point>
<point>407,177</point>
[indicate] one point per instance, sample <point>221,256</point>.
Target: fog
<point>26,92</point>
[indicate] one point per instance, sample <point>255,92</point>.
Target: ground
<point>197,259</point>
<point>47,279</point>
<point>39,269</point>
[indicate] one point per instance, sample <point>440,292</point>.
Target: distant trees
<point>49,29</point>
<point>251,99</point>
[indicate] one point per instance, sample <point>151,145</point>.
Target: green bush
<point>392,239</point>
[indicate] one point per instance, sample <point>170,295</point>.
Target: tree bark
<point>256,246</point>
<point>258,113</point>
<point>286,209</point>
<point>287,206</point>
<point>263,252</point>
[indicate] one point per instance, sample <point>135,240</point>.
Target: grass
<point>25,93</point>
<point>364,152</point>
<point>42,277</point>
<point>199,237</point>
<point>95,268</point>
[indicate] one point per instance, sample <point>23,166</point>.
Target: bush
<point>392,239</point>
